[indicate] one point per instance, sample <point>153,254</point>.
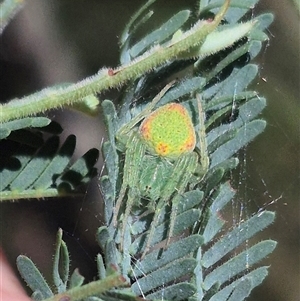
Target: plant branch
<point>106,78</point>
<point>91,289</point>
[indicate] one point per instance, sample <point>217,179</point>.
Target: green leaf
<point>37,296</point>
<point>89,105</point>
<point>239,263</point>
<point>211,222</point>
<point>161,34</point>
<point>223,196</point>
<point>83,167</point>
<point>220,102</point>
<point>225,37</point>
<point>187,201</point>
<point>135,22</point>
<point>11,166</point>
<point>166,274</point>
<point>251,48</point>
<point>76,279</point>
<point>176,250</point>
<point>111,159</point>
<point>264,21</point>
<point>183,222</point>
<point>213,178</point>
<point>61,264</point>
<point>28,122</point>
<point>33,277</point>
<point>246,113</point>
<point>184,87</point>
<point>42,171</point>
<point>241,291</point>
<point>246,134</point>
<point>4,132</point>
<point>238,9</point>
<point>180,291</point>
<point>57,164</point>
<point>238,235</point>
<point>36,165</point>
<point>108,195</point>
<point>102,236</point>
<point>256,277</point>
<point>237,82</point>
<point>101,267</point>
<point>213,226</point>
<point>111,253</point>
<point>222,139</point>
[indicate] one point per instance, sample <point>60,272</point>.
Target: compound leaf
<point>40,168</point>
<point>236,265</point>
<point>33,277</point>
<point>166,274</point>
<point>162,33</point>
<point>61,264</point>
<point>238,235</point>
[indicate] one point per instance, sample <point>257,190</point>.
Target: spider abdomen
<point>169,131</point>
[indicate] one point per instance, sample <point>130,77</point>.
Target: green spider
<point>161,160</point>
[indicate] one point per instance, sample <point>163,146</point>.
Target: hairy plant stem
<point>91,289</point>
<point>105,79</point>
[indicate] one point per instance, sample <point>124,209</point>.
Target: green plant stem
<point>91,289</point>
<point>32,194</point>
<point>105,79</point>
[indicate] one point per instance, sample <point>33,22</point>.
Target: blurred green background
<point>50,42</point>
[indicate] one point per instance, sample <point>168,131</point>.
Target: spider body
<point>153,177</point>
<point>160,162</point>
<point>169,131</point>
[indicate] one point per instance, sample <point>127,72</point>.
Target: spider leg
<point>132,198</point>
<point>135,151</point>
<point>191,165</point>
<point>148,109</point>
<point>184,167</point>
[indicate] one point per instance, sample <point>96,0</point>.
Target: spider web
<point>260,182</point>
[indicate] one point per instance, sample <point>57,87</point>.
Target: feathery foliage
<point>204,261</point>
<point>32,167</point>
